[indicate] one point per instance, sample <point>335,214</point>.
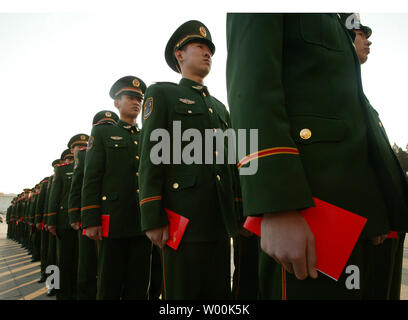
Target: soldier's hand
<point>379,239</point>
<point>52,230</point>
<point>286,237</point>
<point>46,227</point>
<point>159,236</point>
<point>38,226</point>
<point>75,225</point>
<point>94,233</point>
<point>244,232</point>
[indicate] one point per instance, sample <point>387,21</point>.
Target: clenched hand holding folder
<point>336,232</point>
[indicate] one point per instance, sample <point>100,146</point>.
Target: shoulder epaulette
<point>165,82</point>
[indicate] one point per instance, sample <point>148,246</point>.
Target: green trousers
<point>44,250</point>
<point>36,244</point>
<point>197,270</point>
<point>52,250</point>
<point>245,278</point>
<point>123,268</point>
<point>156,274</point>
<point>67,259</point>
<point>277,284</point>
<point>87,268</point>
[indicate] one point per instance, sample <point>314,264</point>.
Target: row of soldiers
<point>295,77</point>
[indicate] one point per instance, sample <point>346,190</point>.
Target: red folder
<point>105,225</point>
<point>177,226</point>
<point>392,235</point>
<point>336,232</point>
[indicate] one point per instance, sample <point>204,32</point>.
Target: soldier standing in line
<point>303,92</point>
<point>52,241</point>
<point>67,237</point>
<point>87,260</point>
<point>39,223</point>
<point>110,198</point>
<point>202,192</point>
<point>387,286</point>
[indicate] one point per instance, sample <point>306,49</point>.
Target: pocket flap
<point>311,129</point>
<point>116,144</point>
<point>190,110</point>
<point>183,182</point>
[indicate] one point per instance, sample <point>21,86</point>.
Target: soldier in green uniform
<point>201,191</point>
<point>110,198</point>
<point>388,286</point>
<point>52,241</point>
<point>35,236</point>
<point>58,223</point>
<point>87,260</point>
<point>39,223</point>
<point>296,77</point>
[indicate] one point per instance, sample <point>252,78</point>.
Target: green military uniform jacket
<point>203,193</point>
<point>58,201</point>
<point>296,77</point>
<point>47,199</point>
<point>110,186</point>
<point>40,209</point>
<point>74,199</point>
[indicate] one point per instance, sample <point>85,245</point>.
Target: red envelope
<point>336,232</point>
<point>42,225</point>
<point>392,235</point>
<point>177,226</point>
<point>105,225</point>
<point>84,232</point>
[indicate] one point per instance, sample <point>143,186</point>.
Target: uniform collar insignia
<point>186,101</point>
<point>127,127</point>
<point>197,87</point>
<point>69,173</point>
<point>116,138</point>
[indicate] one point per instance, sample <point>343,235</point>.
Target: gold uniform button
<point>137,190</point>
<point>135,142</point>
<point>189,111</point>
<point>211,110</point>
<point>132,131</point>
<point>216,153</point>
<point>204,94</point>
<point>137,157</point>
<point>380,124</point>
<point>62,208</point>
<point>104,198</point>
<point>218,177</point>
<point>215,130</point>
<point>137,174</point>
<point>305,134</point>
<point>175,185</point>
<point>116,146</point>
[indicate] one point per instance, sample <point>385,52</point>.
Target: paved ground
<point>18,276</point>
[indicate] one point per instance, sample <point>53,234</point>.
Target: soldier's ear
<point>179,55</point>
<point>116,103</point>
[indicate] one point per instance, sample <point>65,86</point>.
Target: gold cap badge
<point>203,32</point>
<point>83,137</point>
<point>108,114</point>
<point>136,83</point>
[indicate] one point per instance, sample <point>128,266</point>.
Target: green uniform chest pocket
<point>181,183</point>
<point>116,144</point>
<point>190,110</point>
<point>313,129</point>
<point>322,30</point>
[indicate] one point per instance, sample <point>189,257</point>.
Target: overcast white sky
<point>59,60</point>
